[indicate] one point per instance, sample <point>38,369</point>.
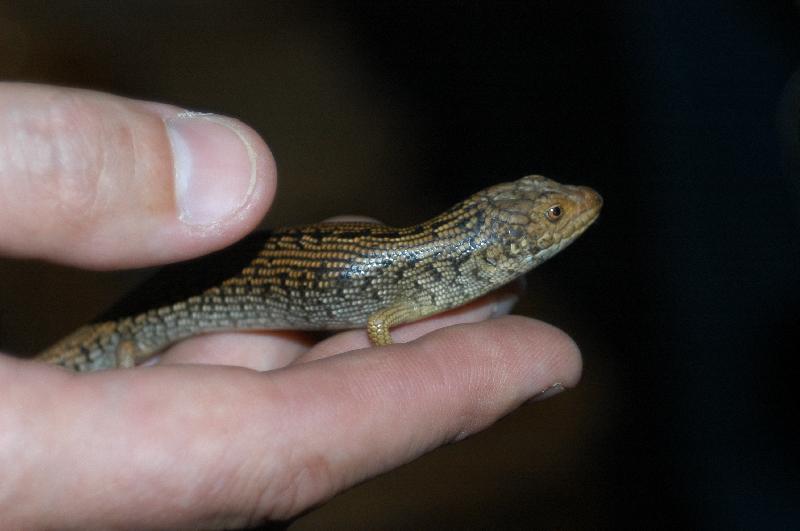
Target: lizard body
<point>349,275</point>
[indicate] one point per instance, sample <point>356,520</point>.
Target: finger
<point>362,414</point>
<point>100,181</point>
<point>252,350</point>
<point>192,445</point>
<point>495,304</point>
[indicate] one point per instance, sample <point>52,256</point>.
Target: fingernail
<point>504,305</point>
<point>215,167</point>
<point>551,391</point>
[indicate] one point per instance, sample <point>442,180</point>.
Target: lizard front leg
<point>380,322</point>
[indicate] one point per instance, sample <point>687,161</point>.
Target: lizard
<point>333,276</point>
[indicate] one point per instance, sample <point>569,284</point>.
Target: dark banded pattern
<point>345,275</point>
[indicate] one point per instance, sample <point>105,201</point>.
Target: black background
<point>684,297</point>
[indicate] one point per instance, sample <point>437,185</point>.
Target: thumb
<point>100,181</point>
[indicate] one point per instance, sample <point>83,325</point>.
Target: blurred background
<point>684,298</point>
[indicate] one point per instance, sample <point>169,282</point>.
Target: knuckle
<point>306,480</point>
<point>62,154</point>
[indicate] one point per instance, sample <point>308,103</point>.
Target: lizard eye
<point>554,213</point>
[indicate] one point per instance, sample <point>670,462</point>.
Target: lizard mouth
<point>592,203</point>
<point>591,199</point>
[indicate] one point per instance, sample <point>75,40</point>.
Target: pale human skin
<point>213,434</point>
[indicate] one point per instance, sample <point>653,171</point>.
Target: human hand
<point>227,429</point>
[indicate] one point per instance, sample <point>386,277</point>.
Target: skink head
<point>534,217</point>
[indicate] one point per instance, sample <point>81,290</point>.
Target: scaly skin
<point>351,275</point>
